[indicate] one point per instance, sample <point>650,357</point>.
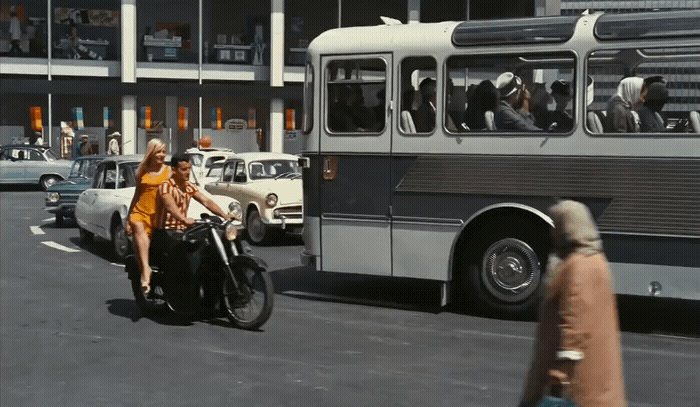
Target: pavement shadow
<point>659,316</point>
<point>391,292</point>
<point>20,188</point>
<point>637,314</point>
<point>127,308</point>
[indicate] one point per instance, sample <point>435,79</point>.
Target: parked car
<point>203,158</point>
<point>102,209</point>
<point>61,197</point>
<point>30,164</point>
<point>269,188</point>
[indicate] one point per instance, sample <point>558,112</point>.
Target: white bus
<point>399,184</point>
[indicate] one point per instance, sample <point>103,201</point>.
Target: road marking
<point>48,219</point>
<point>60,247</point>
<point>117,264</point>
<point>36,230</point>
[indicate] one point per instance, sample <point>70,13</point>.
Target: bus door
<point>355,147</point>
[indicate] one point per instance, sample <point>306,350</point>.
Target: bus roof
<point>535,30</point>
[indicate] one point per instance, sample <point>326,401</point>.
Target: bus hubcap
<point>510,270</point>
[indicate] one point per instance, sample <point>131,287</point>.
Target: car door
<point>238,188</point>
<point>220,186</point>
<point>12,165</point>
<point>85,210</point>
<point>35,164</point>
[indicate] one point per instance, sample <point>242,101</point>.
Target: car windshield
<point>83,168</point>
<point>273,169</point>
<point>215,169</point>
<point>50,156</point>
<point>195,159</point>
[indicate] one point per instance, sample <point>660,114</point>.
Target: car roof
<point>255,156</point>
<point>124,158</point>
<point>42,148</point>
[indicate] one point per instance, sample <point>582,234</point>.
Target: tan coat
<point>578,320</point>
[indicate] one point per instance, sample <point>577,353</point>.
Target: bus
<point>400,179</point>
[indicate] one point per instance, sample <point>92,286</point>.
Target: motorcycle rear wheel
<point>252,309</point>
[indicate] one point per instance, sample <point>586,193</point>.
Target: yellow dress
<point>144,210</point>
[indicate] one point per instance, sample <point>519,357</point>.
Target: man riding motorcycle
<point>171,220</point>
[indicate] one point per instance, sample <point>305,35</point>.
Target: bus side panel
<point>355,222</point>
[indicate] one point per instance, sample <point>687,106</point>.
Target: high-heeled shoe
<point>145,287</point>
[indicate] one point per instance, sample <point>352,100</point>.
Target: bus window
<point>417,95</point>
<point>510,93</point>
<point>356,95</point>
<point>662,81</point>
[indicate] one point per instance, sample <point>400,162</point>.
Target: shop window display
<point>86,30</point>
<point>23,29</point>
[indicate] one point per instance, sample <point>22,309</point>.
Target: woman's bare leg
<point>141,245</point>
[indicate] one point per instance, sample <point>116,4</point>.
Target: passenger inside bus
<point>424,119</point>
<point>650,119</point>
<point>340,114</point>
<point>621,116</point>
<point>560,118</point>
<point>514,95</point>
<point>482,100</point>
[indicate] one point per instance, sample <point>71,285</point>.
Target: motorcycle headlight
<point>231,232</point>
<point>234,208</point>
<point>52,196</point>
<point>271,200</point>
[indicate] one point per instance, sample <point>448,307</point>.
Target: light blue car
<point>28,164</point>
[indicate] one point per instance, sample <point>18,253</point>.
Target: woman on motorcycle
<point>150,174</point>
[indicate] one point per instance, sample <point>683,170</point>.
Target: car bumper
<point>63,210</point>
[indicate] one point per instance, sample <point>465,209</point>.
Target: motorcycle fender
<point>248,260</point>
<point>131,267</point>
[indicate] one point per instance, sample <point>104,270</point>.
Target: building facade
<point>184,69</point>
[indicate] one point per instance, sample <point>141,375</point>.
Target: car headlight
<point>271,200</point>
<point>52,196</point>
<point>231,232</point>
<point>234,208</point>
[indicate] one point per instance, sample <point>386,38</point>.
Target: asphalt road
<point>72,335</point>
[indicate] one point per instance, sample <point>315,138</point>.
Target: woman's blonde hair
<point>147,163</point>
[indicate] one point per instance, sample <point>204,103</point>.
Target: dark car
<point>30,164</point>
<point>61,197</point>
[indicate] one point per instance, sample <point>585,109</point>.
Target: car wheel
<point>257,231</point>
<point>120,241</point>
<point>59,219</point>
<point>48,180</point>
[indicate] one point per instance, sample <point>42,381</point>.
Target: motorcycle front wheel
<point>252,307</point>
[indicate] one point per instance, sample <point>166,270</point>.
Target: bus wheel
<point>506,277</point>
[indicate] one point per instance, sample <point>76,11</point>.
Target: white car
<point>102,209</point>
<point>203,158</point>
<point>269,189</point>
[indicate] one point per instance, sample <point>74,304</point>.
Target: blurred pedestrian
<point>577,343</point>
<point>15,33</point>
<point>113,146</point>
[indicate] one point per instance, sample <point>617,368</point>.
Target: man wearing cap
<point>513,93</point>
<point>561,93</point>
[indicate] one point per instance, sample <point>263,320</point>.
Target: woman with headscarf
<point>577,343</point>
<point>621,114</point>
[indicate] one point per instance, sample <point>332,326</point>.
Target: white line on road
<point>60,247</point>
<point>36,230</point>
<point>48,219</point>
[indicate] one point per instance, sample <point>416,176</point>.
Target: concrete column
<point>276,125</point>
<point>129,124</point>
<point>547,8</point>
<point>128,22</point>
<point>171,123</point>
<point>413,11</point>
<point>277,43</point>
<point>128,71</point>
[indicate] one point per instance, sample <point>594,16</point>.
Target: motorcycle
<point>205,271</point>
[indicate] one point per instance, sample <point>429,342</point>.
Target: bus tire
<point>504,274</point>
